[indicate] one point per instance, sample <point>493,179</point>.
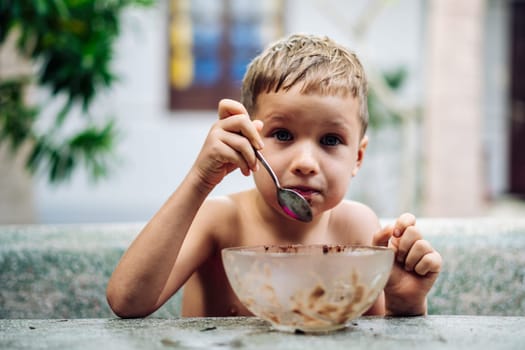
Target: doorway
<point>517,95</point>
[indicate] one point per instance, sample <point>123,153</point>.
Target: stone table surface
<point>429,332</point>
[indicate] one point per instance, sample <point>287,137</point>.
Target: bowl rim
<point>331,249</point>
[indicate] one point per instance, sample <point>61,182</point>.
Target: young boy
<point>304,107</point>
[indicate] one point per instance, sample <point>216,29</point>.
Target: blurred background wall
<point>447,152</point>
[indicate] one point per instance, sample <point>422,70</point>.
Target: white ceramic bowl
<point>314,288</point>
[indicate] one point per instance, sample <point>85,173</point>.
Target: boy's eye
<point>282,135</point>
<point>330,140</point>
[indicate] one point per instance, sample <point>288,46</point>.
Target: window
<point>212,42</point>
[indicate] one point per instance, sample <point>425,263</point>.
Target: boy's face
<point>312,142</point>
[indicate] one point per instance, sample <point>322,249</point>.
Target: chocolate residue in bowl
<point>289,248</point>
<point>315,294</point>
<point>316,308</point>
<point>333,248</point>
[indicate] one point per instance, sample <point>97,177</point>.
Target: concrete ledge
<point>61,271</point>
<point>484,266</point>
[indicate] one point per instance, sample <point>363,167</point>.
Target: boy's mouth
<point>306,192</point>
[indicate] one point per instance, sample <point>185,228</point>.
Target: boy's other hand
<point>416,267</point>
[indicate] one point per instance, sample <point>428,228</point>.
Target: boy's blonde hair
<point>318,63</point>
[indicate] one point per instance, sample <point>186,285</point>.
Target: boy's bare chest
<point>208,292</point>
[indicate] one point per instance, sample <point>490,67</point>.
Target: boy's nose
<point>304,161</point>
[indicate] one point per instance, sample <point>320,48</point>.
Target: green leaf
<point>72,42</point>
<point>16,119</point>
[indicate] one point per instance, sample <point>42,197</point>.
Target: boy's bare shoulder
<point>355,218</point>
<point>220,209</point>
<point>218,214</point>
<point>230,204</point>
<point>226,204</point>
<point>359,209</point>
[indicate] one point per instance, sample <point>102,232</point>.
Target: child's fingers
<point>228,108</point>
<point>382,237</point>
<point>429,263</point>
<point>404,221</point>
<point>258,124</point>
<point>246,155</point>
<point>240,124</point>
<point>418,251</point>
<point>256,140</point>
<point>221,155</point>
<point>405,242</point>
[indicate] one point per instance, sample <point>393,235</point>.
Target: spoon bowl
<point>292,202</point>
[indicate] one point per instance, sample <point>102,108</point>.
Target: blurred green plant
<point>71,41</point>
<point>379,113</point>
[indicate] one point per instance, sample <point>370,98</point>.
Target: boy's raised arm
<point>136,287</point>
<point>149,272</point>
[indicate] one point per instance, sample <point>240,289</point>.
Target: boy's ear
<point>360,154</point>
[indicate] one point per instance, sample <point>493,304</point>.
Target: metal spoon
<point>291,201</point>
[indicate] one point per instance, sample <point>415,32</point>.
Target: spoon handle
<point>267,166</point>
